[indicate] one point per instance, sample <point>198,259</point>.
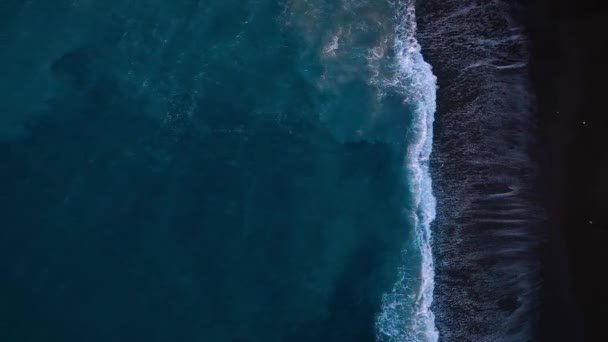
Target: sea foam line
<point>406,317</point>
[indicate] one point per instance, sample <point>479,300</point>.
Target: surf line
<point>406,317</point>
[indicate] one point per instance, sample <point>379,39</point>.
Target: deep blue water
<point>213,171</point>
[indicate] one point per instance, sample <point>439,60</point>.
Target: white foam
<point>332,45</point>
<point>489,64</point>
<point>407,317</point>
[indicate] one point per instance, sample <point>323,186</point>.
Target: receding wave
<point>406,311</point>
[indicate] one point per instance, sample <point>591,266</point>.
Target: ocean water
<point>234,170</point>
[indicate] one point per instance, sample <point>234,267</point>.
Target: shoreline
<point>489,217</point>
<point>566,214</point>
<point>419,76</point>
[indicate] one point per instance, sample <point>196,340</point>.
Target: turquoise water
<point>214,171</point>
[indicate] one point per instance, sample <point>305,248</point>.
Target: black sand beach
<point>569,73</point>
<point>520,166</point>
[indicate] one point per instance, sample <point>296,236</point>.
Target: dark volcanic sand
<point>569,76</point>
<point>569,73</point>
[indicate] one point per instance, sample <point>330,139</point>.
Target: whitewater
<point>406,312</point>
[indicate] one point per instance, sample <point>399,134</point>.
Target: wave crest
<point>406,311</point>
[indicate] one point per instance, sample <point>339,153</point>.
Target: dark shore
<point>569,73</point>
